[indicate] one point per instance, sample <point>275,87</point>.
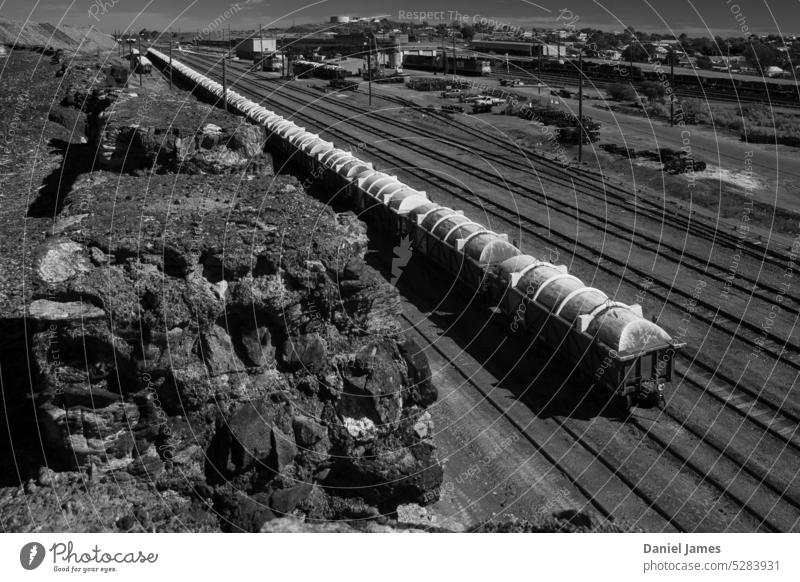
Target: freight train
<point>696,83</point>
<point>463,65</point>
<point>607,342</point>
<point>306,69</point>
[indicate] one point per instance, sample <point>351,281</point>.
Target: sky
<point>694,17</point>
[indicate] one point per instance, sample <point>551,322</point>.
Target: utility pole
<point>230,53</point>
<point>672,87</point>
<point>261,47</point>
<point>580,106</point>
<point>369,71</point>
<point>170,64</point>
<point>224,85</point>
<point>539,84</point>
<point>455,71</point>
<point>139,61</point>
<point>444,57</point>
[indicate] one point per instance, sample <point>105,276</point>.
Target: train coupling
<point>651,394</point>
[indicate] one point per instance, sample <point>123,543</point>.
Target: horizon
<point>726,18</point>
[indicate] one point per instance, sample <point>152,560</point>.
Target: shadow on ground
<point>525,367</point>
<point>77,159</point>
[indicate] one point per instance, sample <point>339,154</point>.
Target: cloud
<point>252,4</point>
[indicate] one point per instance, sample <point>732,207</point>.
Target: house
<point>775,72</point>
<point>611,55</point>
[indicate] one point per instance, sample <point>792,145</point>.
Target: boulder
<point>75,434</point>
<point>44,310</point>
<point>59,260</point>
<point>284,501</point>
<point>308,431</point>
<point>305,352</point>
<point>147,467</point>
<point>217,352</point>
<point>257,346</point>
<point>283,450</point>
<point>252,436</point>
<point>422,391</point>
<point>248,140</point>
<point>243,513</point>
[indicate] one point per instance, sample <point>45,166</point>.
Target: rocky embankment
<point>208,349</point>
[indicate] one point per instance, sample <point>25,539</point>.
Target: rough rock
<point>423,391</point>
<point>243,512</point>
<point>181,147</point>
<point>291,524</point>
<point>77,434</point>
<point>306,352</point>
<point>284,450</point>
<point>284,501</point>
<point>193,333</point>
<point>308,431</point>
<point>257,346</point>
<point>60,260</point>
<point>251,436</point>
<point>216,351</point>
<point>44,310</point>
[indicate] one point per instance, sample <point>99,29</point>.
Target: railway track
<point>612,195</point>
<point>774,487</point>
<point>574,170</point>
<point>621,199</point>
<point>678,253</point>
<point>709,317</point>
<point>759,499</point>
<point>549,78</point>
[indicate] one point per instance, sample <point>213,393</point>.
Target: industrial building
<point>253,48</point>
<point>518,48</point>
<point>387,48</point>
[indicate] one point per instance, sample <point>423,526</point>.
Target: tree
<point>621,92</point>
<point>653,90</point>
<point>635,52</point>
<point>685,42</point>
<point>603,40</point>
<point>704,62</point>
<point>467,32</point>
<point>738,46</point>
<point>703,45</point>
<point>760,56</point>
<point>721,48</point>
<point>672,58</point>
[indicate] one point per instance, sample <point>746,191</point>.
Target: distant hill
<point>83,39</point>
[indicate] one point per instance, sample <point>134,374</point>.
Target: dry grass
<point>755,122</point>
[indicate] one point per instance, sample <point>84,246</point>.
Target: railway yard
<point>521,433</point>
<point>722,454</point>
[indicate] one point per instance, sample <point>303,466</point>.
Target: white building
<point>256,47</point>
